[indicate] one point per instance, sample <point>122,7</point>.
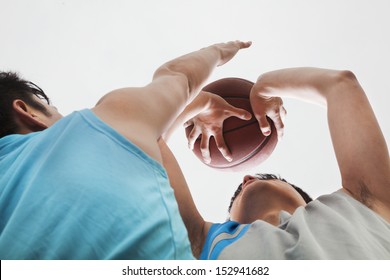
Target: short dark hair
<point>266,176</point>
<point>13,87</point>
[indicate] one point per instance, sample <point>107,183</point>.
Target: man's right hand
<point>209,123</point>
<point>271,107</point>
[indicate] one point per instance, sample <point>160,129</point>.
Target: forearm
<point>178,81</point>
<point>195,68</point>
<point>197,228</point>
<point>200,103</point>
<point>312,85</point>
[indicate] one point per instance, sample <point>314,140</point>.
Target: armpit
<point>361,194</point>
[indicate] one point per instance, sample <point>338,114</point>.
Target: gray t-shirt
<point>334,226</point>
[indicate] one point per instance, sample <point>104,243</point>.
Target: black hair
<point>266,176</point>
<point>13,87</point>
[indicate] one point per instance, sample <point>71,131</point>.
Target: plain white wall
<point>79,50</point>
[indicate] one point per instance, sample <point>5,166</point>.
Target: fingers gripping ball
<point>248,146</point>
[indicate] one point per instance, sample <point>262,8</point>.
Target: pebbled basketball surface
<point>248,146</point>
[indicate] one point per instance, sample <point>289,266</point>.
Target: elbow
<point>175,75</point>
<point>345,77</point>
<point>342,83</point>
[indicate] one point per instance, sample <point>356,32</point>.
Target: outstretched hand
<point>209,123</point>
<point>229,50</point>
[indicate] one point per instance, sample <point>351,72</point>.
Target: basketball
<point>248,146</point>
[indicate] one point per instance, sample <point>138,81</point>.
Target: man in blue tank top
<point>91,185</point>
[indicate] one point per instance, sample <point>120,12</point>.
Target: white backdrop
<point>79,50</point>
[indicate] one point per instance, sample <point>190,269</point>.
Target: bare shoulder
<point>126,110</point>
<point>143,114</point>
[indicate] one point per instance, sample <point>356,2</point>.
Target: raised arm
<point>196,226</point>
<point>214,110</point>
<point>360,147</point>
<point>143,114</point>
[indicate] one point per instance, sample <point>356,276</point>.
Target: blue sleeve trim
<point>219,237</point>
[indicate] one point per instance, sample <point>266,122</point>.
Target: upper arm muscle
<point>359,145</point>
<point>143,114</point>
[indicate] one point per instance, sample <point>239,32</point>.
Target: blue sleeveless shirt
<point>80,190</point>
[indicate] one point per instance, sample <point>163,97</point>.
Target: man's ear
<point>27,117</point>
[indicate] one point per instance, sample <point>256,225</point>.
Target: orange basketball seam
<point>239,127</point>
<point>246,158</point>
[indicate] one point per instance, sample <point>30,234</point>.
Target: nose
<point>247,178</point>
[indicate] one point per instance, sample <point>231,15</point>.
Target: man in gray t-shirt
<point>269,219</point>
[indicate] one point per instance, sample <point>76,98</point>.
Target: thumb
<point>264,125</point>
<point>240,113</point>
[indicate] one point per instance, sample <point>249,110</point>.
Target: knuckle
<point>258,114</point>
<point>264,122</point>
<point>221,147</point>
<point>193,134</point>
<point>204,147</point>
